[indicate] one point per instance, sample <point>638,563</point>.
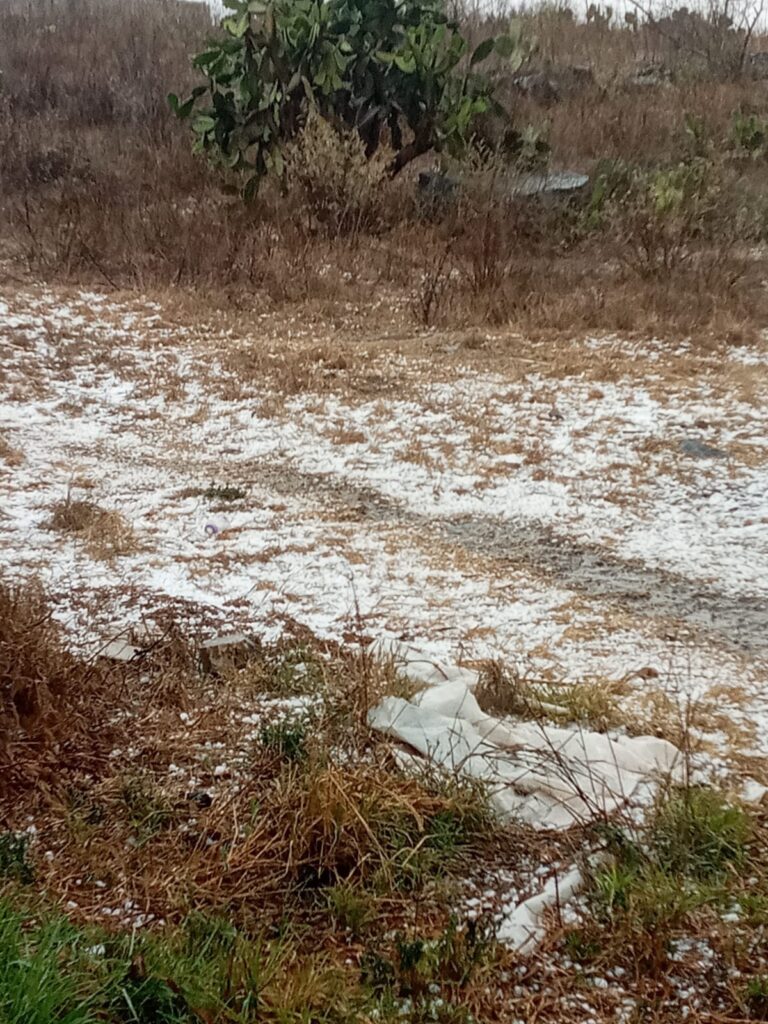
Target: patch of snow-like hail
<point>107,394</point>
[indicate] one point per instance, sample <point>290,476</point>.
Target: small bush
<point>683,860</point>
<point>698,834</point>
<point>224,493</point>
<point>664,213</point>
<point>287,738</point>
<point>749,136</point>
<point>13,858</point>
<point>343,191</point>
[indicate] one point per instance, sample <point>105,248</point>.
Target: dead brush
<point>319,824</point>
<point>105,533</point>
<point>49,700</point>
<point>507,693</point>
<point>431,297</point>
<point>170,663</point>
<point>341,190</point>
<point>504,693</point>
<point>10,455</point>
<point>318,369</point>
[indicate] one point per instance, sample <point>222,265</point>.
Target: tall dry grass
<point>51,720</point>
<point>100,185</point>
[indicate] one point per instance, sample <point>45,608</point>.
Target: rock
<point>439,187</point>
<point>700,450</point>
<point>200,797</point>
<point>549,183</point>
<point>552,85</point>
<point>119,650</point>
<point>758,64</point>
<point>224,653</point>
<point>538,86</point>
<point>753,792</point>
<point>649,74</point>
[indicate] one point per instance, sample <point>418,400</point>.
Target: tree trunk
<point>421,144</point>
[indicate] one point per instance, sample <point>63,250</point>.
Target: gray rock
<point>699,450</point>
<point>201,797</point>
<point>758,64</point>
<point>119,650</point>
<point>440,188</point>
<point>549,183</point>
<point>538,86</point>
<point>224,653</point>
<point>551,85</point>
<point>648,75</point>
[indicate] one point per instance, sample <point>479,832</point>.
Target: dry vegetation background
<point>300,875</point>
<point>99,186</point>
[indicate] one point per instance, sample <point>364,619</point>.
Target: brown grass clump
<point>105,532</point>
<point>324,825</point>
<point>48,723</point>
<point>74,515</point>
<point>8,454</point>
<point>506,693</point>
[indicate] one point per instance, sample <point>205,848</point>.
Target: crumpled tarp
<point>546,776</point>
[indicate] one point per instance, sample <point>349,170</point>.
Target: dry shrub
<point>8,454</point>
<point>503,692</point>
<point>433,294</point>
<point>170,658</point>
<point>487,210</point>
<point>130,205</point>
<point>338,186</point>
<point>105,532</point>
<point>48,722</point>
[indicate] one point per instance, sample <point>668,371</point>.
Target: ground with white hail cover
<point>592,513</point>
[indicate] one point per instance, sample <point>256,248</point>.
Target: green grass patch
<point>205,970</point>
<point>226,493</point>
<point>148,810</point>
<point>690,856</point>
<point>14,865</point>
<point>286,738</point>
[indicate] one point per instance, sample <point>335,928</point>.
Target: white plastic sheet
<point>547,776</point>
